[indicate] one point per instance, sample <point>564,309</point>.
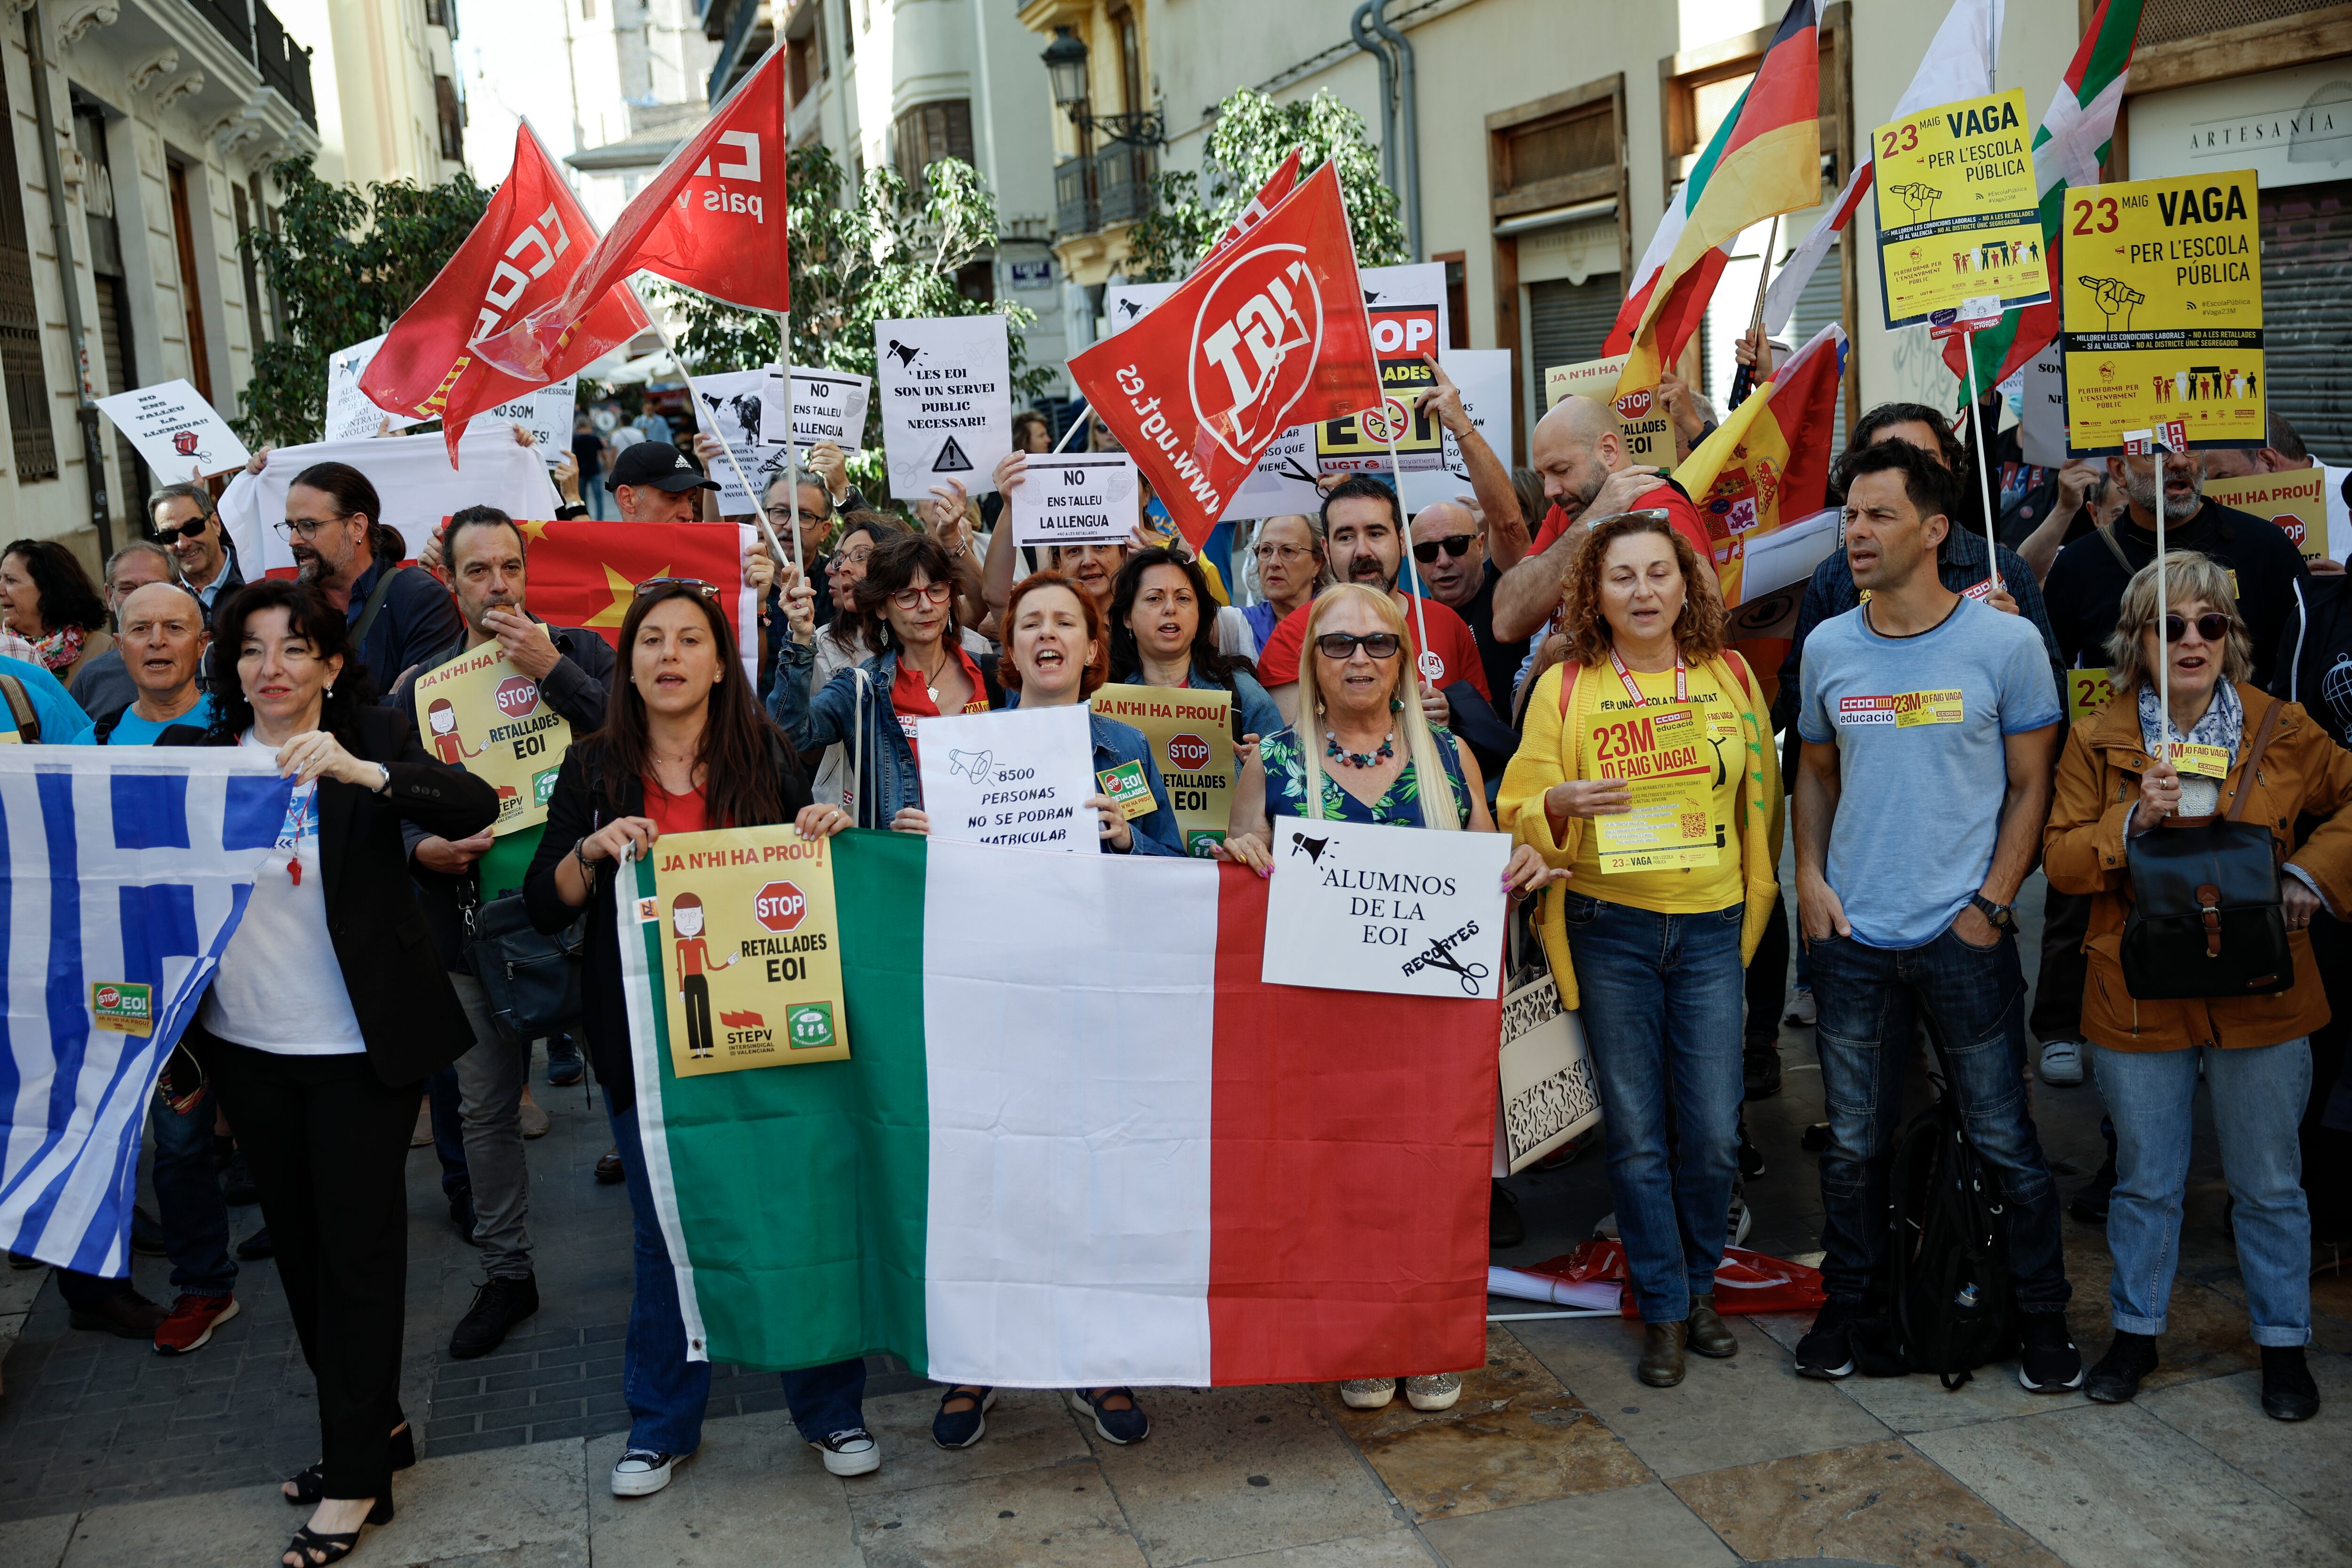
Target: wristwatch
<point>2002,917</point>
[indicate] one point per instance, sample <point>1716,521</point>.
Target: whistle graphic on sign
<point>974,766</point>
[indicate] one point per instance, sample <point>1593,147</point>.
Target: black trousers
<point>327,1142</point>
<point>2066,967</point>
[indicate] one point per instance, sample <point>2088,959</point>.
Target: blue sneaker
<point>563,1065</point>
<point>962,1428</point>
<point>1120,1426</point>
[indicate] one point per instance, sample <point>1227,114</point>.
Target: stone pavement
<point>1556,1455</point>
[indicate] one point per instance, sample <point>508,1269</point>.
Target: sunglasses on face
<point>1457,545</point>
<point>687,585</point>
<point>1342,645</point>
<point>192,528</point>
<point>2211,626</point>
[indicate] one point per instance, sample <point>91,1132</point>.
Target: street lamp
<point>1065,66</point>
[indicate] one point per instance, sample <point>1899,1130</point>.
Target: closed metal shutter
<point>2308,313</point>
<point>1567,323</point>
<point>1823,302</point>
<point>113,337</point>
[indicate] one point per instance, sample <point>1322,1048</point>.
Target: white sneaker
<point>642,1472</point>
<point>850,1453</point>
<point>1741,1220</point>
<point>1367,1393</point>
<point>1437,1392</point>
<point>2062,1063</point>
<point>1801,1007</point>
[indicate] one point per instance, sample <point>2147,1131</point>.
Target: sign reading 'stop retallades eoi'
<point>1957,211</point>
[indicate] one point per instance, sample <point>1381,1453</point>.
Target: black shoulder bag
<point>2207,919</point>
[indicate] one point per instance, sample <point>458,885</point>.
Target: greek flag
<point>123,872</point>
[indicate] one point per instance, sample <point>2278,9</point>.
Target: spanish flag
<point>1764,160</point>
<point>1769,464</point>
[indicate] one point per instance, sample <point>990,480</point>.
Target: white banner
<point>177,432</point>
<point>1076,498</point>
<point>546,413</point>
<point>829,405</point>
<point>412,477</point>
<point>2042,421</point>
<point>947,401</point>
<point>1019,777</point>
<point>1407,911</point>
<point>1485,377</point>
<point>1283,483</point>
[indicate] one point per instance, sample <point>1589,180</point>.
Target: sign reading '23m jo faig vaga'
<point>2163,301</point>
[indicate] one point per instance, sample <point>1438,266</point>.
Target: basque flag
<point>124,873</point>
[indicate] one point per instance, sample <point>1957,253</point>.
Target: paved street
<point>110,1455</point>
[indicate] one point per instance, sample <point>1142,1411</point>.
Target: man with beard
<point>574,669</point>
<point>397,617</point>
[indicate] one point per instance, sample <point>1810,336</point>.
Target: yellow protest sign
<point>2162,306</point>
<point>480,713</point>
<point>2087,691</point>
<point>1659,751</point>
<point>1191,738</point>
<point>1641,417</point>
<point>751,949</point>
<point>2295,499</point>
<point>1958,215</point>
<point>1358,443</point>
<point>2206,761</point>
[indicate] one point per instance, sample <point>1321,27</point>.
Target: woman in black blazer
<point>320,1064</point>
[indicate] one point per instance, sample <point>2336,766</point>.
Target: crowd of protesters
<point>1916,749</point>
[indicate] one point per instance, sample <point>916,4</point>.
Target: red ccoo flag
<point>712,218</point>
<point>527,247</point>
<point>1267,333</point>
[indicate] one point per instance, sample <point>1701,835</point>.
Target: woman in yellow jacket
<point>1646,771</point>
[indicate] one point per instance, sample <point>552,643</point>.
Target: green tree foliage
<point>1250,138</point>
<point>343,264</point>
<point>892,252</point>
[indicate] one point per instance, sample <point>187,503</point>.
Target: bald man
<point>1587,473</point>
<point>1449,550</point>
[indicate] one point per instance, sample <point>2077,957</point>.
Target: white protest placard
<point>1124,304</point>
<point>1485,377</point>
<point>1411,911</point>
<point>1076,498</point>
<point>177,432</point>
<point>2042,413</point>
<point>947,401</point>
<point>546,413</point>
<point>1283,483</point>
<point>829,405</point>
<point>743,409</point>
<point>1419,282</point>
<point>350,416</point>
<point>1018,777</point>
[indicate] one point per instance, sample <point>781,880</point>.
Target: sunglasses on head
<point>191,529</point>
<point>1457,545</point>
<point>2211,626</point>
<point>686,584</point>
<point>1343,645</point>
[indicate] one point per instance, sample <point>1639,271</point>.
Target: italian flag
<point>2067,151</point>
<point>1077,1142</point>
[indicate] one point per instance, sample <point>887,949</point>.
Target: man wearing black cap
<point>653,482</point>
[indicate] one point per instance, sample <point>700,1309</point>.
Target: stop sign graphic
<point>2293,525</point>
<point>1187,753</point>
<point>779,905</point>
<point>518,695</point>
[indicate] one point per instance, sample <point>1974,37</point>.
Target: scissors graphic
<point>1441,956</point>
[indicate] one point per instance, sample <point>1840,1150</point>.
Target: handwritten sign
<point>1076,498</point>
<point>177,431</point>
<point>947,401</point>
<point>1191,738</point>
<point>1958,209</point>
<point>480,713</point>
<point>751,949</point>
<point>1409,911</point>
<point>829,405</point>
<point>1020,778</point>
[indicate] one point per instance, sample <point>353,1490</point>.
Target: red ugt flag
<point>1269,197</point>
<point>711,218</point>
<point>1268,332</point>
<point>528,246</point>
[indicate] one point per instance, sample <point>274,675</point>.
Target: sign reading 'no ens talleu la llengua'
<point>1076,498</point>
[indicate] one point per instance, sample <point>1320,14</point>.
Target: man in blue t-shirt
<point>58,718</point>
<point>1931,727</point>
<point>163,645</point>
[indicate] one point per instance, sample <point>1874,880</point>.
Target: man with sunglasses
<point>188,525</point>
<point>1449,547</point>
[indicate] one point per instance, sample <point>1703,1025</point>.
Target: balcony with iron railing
<point>1104,189</point>
<point>284,64</point>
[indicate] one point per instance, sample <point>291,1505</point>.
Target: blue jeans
<point>188,1204</point>
<point>449,1133</point>
<point>1659,998</point>
<point>665,1392</point>
<point>2258,1099</point>
<point>1973,1002</point>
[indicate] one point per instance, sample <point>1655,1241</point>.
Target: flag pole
<point>1764,273</point>
<point>1085,416</point>
<point>2156,455</point>
<point>694,400</point>
<point>1984,472</point>
<point>791,448</point>
<point>1405,528</point>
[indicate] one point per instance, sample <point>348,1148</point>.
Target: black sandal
<point>310,1484</point>
<point>317,1549</point>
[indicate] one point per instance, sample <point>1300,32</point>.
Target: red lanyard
<point>1682,679</point>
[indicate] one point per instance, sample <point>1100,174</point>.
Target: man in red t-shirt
<point>1586,472</point>
<point>1364,540</point>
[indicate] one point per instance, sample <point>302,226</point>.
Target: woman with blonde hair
<point>1362,752</point>
<point>2252,1051</point>
<point>1651,943</point>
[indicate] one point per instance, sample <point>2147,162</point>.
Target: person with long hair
<point>1654,956</point>
<point>47,599</point>
<point>2253,1054</point>
<point>329,1011</point>
<point>1341,762</point>
<point>684,749</point>
<point>1160,636</point>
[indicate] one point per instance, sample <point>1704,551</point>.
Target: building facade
<point>389,103</point>
<point>138,135</point>
<point>638,76</point>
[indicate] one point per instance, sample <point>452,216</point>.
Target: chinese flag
<point>585,574</point>
<point>528,246</point>
<point>1269,331</point>
<point>711,218</point>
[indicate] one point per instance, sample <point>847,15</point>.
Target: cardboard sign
<point>829,405</point>
<point>751,949</point>
<point>177,432</point>
<point>1485,377</point>
<point>947,401</point>
<point>1660,754</point>
<point>1546,1093</point>
<point>744,408</point>
<point>1409,911</point>
<point>2087,691</point>
<point>1959,211</point>
<point>1641,422</point>
<point>2295,499</point>
<point>546,414</point>
<point>2162,300</point>
<point>1076,498</point>
<point>1020,777</point>
<point>1191,737</point>
<point>1360,443</point>
<point>478,712</point>
<point>351,414</point>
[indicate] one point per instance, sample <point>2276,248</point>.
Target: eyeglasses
<point>305,529</point>
<point>851,558</point>
<point>930,594</point>
<point>795,514</point>
<point>1280,553</point>
<point>1457,545</point>
<point>2211,626</point>
<point>1343,645</point>
<point>683,585</point>
<point>193,528</point>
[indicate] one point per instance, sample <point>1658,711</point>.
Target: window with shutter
<point>20,320</point>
